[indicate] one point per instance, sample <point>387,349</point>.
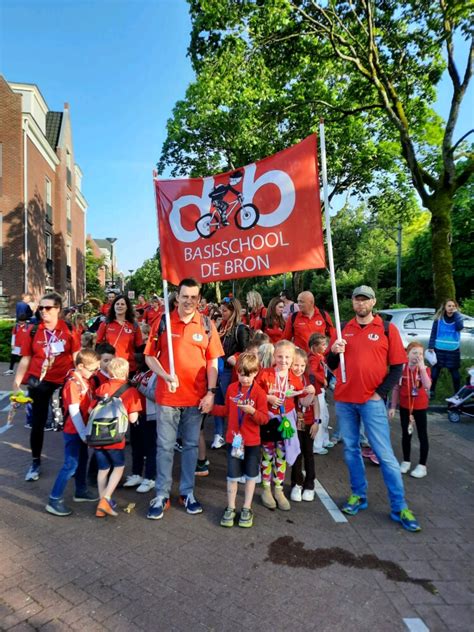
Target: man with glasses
<point>374,358</point>
<point>184,397</point>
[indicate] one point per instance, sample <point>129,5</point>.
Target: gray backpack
<point>108,420</point>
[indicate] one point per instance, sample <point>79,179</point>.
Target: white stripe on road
<point>328,502</point>
<point>416,625</point>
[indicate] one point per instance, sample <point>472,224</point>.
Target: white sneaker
<point>419,471</point>
<point>308,495</point>
<point>146,486</point>
<point>329,444</point>
<point>296,493</point>
<point>320,451</point>
<point>405,466</point>
<point>218,442</point>
<point>133,480</point>
<point>8,372</point>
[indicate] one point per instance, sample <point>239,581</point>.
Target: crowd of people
<point>264,374</point>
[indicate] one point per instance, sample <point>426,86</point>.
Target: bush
<point>5,340</point>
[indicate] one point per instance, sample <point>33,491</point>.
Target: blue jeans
<point>222,385</point>
<point>373,414</point>
<point>75,463</point>
<point>169,419</point>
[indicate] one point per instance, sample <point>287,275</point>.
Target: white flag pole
<point>168,327</point>
<point>165,297</point>
<point>329,243</point>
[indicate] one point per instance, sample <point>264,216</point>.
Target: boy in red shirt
<point>76,400</point>
<point>246,407</point>
<point>114,455</point>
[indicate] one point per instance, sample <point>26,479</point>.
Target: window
<point>423,321</point>
<point>1,167</point>
<point>49,245</point>
<point>68,169</point>
<point>409,323</point>
<point>1,239</point>
<point>49,203</point>
<point>68,215</point>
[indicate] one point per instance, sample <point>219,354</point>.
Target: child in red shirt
<point>412,393</point>
<point>114,455</point>
<point>279,383</point>
<point>317,367</point>
<point>76,400</point>
<point>307,424</point>
<point>19,332</point>
<point>246,407</point>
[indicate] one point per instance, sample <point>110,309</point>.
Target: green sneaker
<point>407,519</point>
<point>354,504</point>
<point>246,518</point>
<point>228,518</point>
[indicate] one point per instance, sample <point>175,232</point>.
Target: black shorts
<point>249,466</point>
<point>109,458</point>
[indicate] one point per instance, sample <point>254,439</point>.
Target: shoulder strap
<point>293,318</point>
<point>33,330</point>
<point>121,390</point>
<point>324,314</point>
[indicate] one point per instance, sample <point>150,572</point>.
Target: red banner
<point>258,220</point>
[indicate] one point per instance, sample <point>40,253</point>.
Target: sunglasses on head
<point>46,307</point>
<point>226,299</point>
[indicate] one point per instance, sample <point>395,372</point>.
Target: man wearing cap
<point>308,320</point>
<point>374,358</point>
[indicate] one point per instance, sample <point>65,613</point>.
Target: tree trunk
<point>297,283</point>
<point>441,206</point>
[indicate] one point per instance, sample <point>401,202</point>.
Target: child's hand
<point>309,389</point>
<point>420,362</point>
<point>391,414</point>
<point>313,431</point>
<point>274,400</point>
<point>246,408</point>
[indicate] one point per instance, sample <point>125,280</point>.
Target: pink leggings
<point>273,458</point>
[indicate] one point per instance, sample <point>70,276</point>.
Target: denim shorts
<point>109,458</point>
<point>249,466</point>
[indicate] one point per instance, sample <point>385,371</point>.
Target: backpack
<point>108,420</point>
<point>205,321</point>
<point>324,314</point>
<point>59,409</point>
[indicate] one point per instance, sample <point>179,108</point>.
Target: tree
<point>371,68</point>
<point>93,264</point>
<point>147,279</point>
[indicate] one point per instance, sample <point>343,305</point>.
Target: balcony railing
<point>68,273</point>
<point>49,213</point>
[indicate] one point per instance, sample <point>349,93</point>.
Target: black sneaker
<point>86,497</point>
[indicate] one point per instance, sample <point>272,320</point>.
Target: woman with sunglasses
<point>122,331</point>
<point>234,338</point>
<point>48,354</point>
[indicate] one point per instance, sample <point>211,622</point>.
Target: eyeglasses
<point>48,308</point>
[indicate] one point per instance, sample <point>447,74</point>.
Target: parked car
<point>414,323</point>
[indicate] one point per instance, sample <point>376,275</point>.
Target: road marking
<point>334,511</point>
<point>416,625</point>
<point>3,394</point>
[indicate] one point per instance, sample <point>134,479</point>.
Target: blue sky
<point>121,65</point>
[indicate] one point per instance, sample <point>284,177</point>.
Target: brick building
<point>98,253</point>
<point>37,164</point>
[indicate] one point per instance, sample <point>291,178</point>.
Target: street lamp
<point>111,241</point>
<point>130,272</point>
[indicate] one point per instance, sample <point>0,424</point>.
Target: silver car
<point>415,323</point>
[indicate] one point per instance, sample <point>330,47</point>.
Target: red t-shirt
<point>57,345</point>
<point>97,379</point>
<point>368,354</point>
<point>308,414</point>
<point>76,390</point>
<point>275,333</point>
<point>316,368</point>
<point>256,318</point>
<point>104,310</point>
<point>20,332</point>
<point>192,350</point>
<point>77,333</point>
<point>131,401</point>
<point>250,426</point>
<point>124,338</point>
<point>152,314</point>
<point>268,380</point>
<point>411,380</point>
<point>299,328</point>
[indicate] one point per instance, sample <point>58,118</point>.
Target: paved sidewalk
<point>293,571</point>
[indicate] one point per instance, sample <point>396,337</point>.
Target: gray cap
<point>364,290</point>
